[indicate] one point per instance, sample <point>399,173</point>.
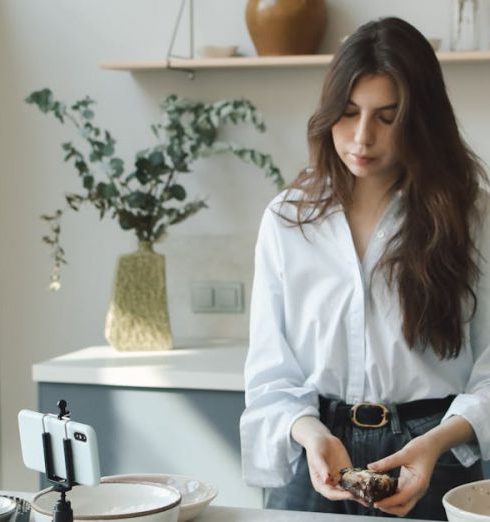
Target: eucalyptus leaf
<point>177,192</point>
<point>88,182</point>
<point>88,115</point>
<point>141,200</point>
<point>117,167</point>
<point>156,158</point>
<point>82,168</point>
<point>127,220</point>
<point>106,190</point>
<point>160,232</point>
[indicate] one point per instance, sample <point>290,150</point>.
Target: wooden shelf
<point>257,62</point>
<point>467,56</point>
<point>234,62</point>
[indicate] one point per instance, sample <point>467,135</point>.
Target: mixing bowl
<point>113,501</point>
<point>196,494</point>
<point>469,502</point>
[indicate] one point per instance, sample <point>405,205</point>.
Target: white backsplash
<point>207,258</point>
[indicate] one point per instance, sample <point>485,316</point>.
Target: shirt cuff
<point>471,407</point>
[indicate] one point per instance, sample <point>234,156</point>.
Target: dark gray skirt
<point>366,445</point>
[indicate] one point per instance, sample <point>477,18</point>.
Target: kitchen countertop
<point>205,364</point>
<point>230,514</point>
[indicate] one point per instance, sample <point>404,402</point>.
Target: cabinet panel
<point>146,430</point>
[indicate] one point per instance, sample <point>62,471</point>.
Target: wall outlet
<point>217,297</point>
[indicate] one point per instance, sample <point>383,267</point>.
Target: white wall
<point>58,43</point>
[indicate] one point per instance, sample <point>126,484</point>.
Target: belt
<point>377,415</point>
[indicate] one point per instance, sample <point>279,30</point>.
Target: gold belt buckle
<point>383,410</point>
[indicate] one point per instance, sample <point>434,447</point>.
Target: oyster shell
<point>367,485</point>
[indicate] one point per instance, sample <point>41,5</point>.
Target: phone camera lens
<point>80,436</point>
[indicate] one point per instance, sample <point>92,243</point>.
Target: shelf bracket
<point>191,73</point>
<point>170,55</point>
<point>176,30</point>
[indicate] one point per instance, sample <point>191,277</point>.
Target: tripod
<point>62,511</point>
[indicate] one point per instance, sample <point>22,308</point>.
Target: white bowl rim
<point>127,477</point>
<point>112,516</point>
<point>463,512</point>
<point>11,503</point>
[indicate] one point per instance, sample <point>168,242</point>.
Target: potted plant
<point>146,199</point>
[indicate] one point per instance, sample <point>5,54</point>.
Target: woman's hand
<point>326,456</point>
<point>416,460</point>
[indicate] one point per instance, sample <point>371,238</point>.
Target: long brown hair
<point>431,258</point>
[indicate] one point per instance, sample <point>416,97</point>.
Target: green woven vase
<point>138,315</point>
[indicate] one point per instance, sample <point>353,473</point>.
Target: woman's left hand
<point>416,460</point>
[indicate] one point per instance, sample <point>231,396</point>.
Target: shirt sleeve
<point>275,391</point>
<point>474,403</point>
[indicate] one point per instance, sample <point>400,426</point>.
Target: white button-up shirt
<point>323,324</point>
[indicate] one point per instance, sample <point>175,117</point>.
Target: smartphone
<point>82,437</point>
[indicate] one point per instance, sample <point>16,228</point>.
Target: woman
<point>372,285</point>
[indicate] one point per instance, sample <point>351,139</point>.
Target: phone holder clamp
<point>62,511</point>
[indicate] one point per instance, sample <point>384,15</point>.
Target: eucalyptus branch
<point>152,197</point>
<point>167,185</point>
<point>261,160</point>
<point>57,253</point>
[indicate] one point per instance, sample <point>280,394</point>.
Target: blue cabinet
<point>172,431</point>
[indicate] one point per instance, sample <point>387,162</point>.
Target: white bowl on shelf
<point>217,51</point>
<point>118,502</point>
<point>196,494</point>
<point>469,502</point>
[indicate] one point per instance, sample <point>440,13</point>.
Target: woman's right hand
<point>326,456</point>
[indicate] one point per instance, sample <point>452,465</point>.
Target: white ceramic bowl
<point>469,502</point>
<point>196,495</point>
<point>7,506</point>
<point>114,501</point>
<point>217,51</point>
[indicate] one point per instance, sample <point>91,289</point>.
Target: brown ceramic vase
<point>285,27</point>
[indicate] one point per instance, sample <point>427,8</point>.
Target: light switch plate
<point>217,297</point>
<point>202,297</point>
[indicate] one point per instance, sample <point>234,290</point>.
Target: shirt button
<point>380,234</point>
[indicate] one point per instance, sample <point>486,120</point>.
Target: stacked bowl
<point>117,502</point>
<point>469,502</point>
